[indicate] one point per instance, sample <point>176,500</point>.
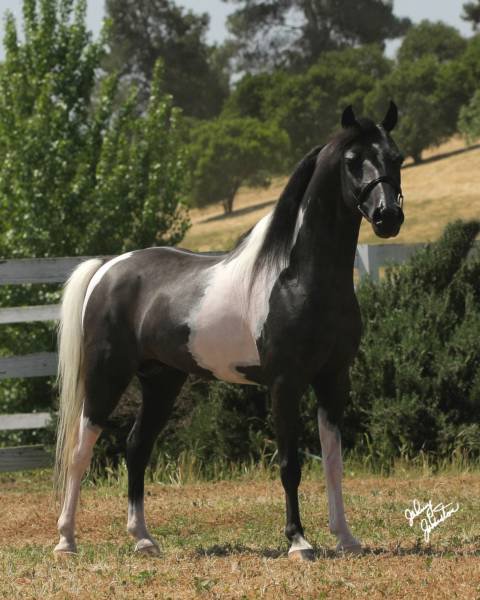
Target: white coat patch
<point>228,320</point>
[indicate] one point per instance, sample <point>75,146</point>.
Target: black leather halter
<point>369,187</point>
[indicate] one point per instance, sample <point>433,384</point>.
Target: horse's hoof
<point>65,551</point>
<point>352,549</point>
<point>147,546</point>
<point>302,555</point>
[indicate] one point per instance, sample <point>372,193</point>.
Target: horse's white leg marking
<point>332,462</point>
<point>87,436</point>
<point>299,544</point>
<point>137,527</point>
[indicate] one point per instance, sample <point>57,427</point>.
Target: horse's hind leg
<point>160,387</point>
<point>87,436</point>
<point>107,376</point>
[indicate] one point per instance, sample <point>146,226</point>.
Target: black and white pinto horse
<point>279,310</point>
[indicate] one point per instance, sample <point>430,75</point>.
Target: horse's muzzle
<point>386,222</point>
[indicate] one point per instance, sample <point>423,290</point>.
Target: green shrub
<point>415,383</point>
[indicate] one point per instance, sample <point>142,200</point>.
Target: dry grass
<point>224,540</point>
<point>435,193</point>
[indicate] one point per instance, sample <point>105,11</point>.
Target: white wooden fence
<point>369,260</point>
<point>17,272</point>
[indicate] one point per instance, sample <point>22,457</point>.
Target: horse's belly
<point>221,344</point>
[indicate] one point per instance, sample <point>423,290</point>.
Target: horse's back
<point>146,297</point>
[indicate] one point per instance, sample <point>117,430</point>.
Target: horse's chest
<point>223,329</point>
<point>310,328</point>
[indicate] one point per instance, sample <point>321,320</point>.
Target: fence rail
<point>39,364</point>
<point>25,421</point>
<point>368,261</point>
<point>37,270</point>
<point>28,314</point>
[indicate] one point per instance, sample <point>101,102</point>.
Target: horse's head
<point>370,166</point>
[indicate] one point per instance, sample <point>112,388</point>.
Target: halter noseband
<point>369,187</point>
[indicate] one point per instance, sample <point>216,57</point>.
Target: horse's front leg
<point>332,393</point>
<point>285,402</point>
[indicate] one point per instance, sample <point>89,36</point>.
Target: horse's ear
<point>391,117</point>
<point>348,117</point>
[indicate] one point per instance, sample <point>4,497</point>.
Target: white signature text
<point>434,515</point>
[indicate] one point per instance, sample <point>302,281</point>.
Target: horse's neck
<point>327,241</point>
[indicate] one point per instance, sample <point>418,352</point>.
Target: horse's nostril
<point>377,216</point>
<point>389,214</point>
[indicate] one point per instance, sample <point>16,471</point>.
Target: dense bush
<point>416,382</point>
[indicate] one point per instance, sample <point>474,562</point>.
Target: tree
<point>308,105</point>
<point>413,86</point>
<point>142,31</point>
<point>429,84</point>
<point>251,95</point>
<point>77,176</point>
<point>469,119</point>
<point>471,12</point>
<point>457,81</point>
<point>228,153</point>
<point>443,41</point>
<point>294,33</point>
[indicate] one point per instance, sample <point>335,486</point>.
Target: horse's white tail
<point>70,379</point>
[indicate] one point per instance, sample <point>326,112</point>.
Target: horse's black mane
<point>277,243</point>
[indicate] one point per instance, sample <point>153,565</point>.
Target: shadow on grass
<point>220,550</point>
<point>239,213</point>
<point>233,549</point>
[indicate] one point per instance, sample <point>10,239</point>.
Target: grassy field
<point>442,189</point>
<point>225,540</point>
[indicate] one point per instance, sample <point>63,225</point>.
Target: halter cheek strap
<point>369,187</point>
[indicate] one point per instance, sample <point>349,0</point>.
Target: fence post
<point>361,260</point>
<point>374,262</point>
<point>368,261</point>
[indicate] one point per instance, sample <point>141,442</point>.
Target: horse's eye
<point>351,158</point>
<point>353,161</point>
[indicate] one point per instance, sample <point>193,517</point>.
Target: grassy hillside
<point>445,187</point>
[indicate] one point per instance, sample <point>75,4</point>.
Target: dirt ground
<point>225,540</point>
